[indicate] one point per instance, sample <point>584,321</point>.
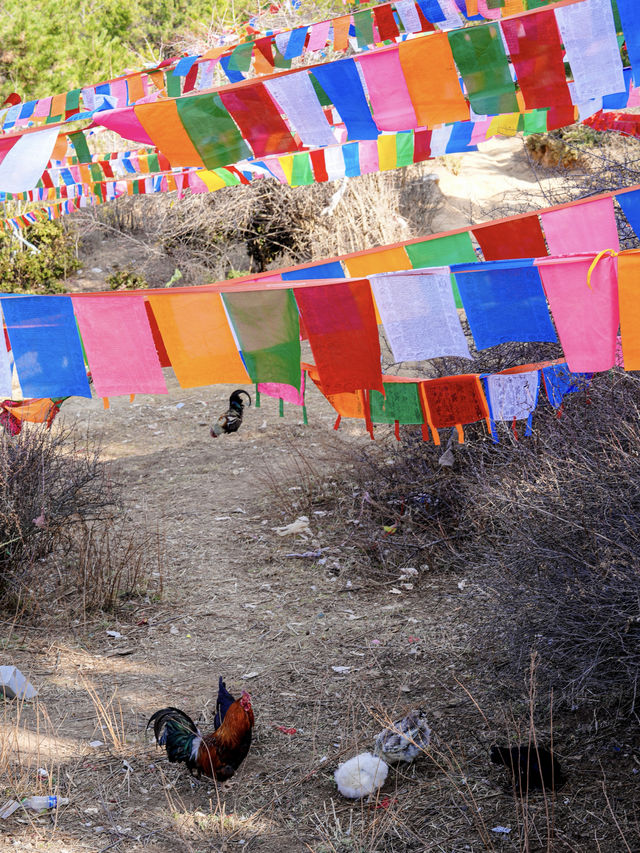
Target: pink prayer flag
<point>125,122</point>
<point>487,12</point>
<point>318,35</point>
<point>479,132</point>
<point>285,392</point>
<point>42,107</point>
<point>392,106</point>
<point>119,344</point>
<point>368,156</point>
<point>587,318</point>
<point>587,227</point>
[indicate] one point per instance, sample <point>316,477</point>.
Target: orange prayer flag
<point>198,339</point>
<point>214,52</point>
<point>388,260</point>
<point>135,88</point>
<point>60,147</point>
<point>629,298</point>
<point>440,100</point>
<point>157,78</point>
<point>261,64</point>
<point>58,105</point>
<point>162,123</point>
<point>341,32</point>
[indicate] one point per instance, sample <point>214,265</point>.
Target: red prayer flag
<point>454,400</point>
<point>319,166</point>
<point>520,238</point>
<point>254,111</point>
<point>385,22</point>
<point>535,48</point>
<point>341,323</point>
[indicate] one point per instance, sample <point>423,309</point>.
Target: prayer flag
<point>401,403</point>
<point>119,344</point>
<point>392,107</point>
<point>586,317</point>
<point>259,119</point>
<point>341,324</point>
<point>24,158</point>
<point>419,315</point>
<point>519,238</point>
<point>198,339</point>
<point>46,346</point>
<point>298,101</point>
<point>504,301</point>
<point>586,227</point>
<point>480,56</point>
<point>629,295</point>
<point>341,81</point>
<point>267,327</point>
<point>430,59</point>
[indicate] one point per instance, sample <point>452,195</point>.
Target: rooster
<point>230,421</point>
<point>218,754</point>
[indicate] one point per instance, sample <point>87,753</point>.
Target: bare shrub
<point>66,543</point>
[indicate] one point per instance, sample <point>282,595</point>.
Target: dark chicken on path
<point>218,754</point>
<point>532,767</point>
<point>230,421</point>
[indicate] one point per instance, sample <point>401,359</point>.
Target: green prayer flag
<point>481,59</point>
<point>404,148</point>
<point>79,142</point>
<point>229,178</point>
<point>153,163</point>
<point>302,173</point>
<point>72,101</point>
<point>278,59</point>
<point>442,252</point>
<point>363,23</point>
<point>324,99</point>
<point>401,403</point>
<point>240,58</point>
<point>535,122</point>
<point>96,172</point>
<point>174,85</point>
<point>212,130</point>
<point>267,326</point>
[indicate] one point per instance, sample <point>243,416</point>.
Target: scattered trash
<point>13,683</point>
<point>115,634</point>
<point>300,525</point>
<point>384,803</point>
<point>395,591</point>
<point>389,529</point>
<point>42,773</point>
<point>447,458</point>
<point>287,731</point>
<point>505,830</point>
<point>308,555</point>
<point>143,621</point>
<point>341,669</point>
<point>40,521</point>
<point>406,585</point>
<point>462,584</point>
<point>361,775</point>
<point>179,405</point>
<point>250,675</point>
<point>127,766</point>
<point>95,744</point>
<point>173,630</point>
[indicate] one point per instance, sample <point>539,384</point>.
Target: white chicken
<point>405,739</point>
<point>361,775</point>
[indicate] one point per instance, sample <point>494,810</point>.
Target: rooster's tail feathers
<point>177,732</point>
<point>236,397</point>
<point>223,703</point>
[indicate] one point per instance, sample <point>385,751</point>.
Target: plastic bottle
<point>39,804</point>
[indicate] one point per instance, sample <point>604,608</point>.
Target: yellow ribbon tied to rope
<point>596,260</point>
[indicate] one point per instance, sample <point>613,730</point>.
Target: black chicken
<point>532,767</point>
<point>230,421</point>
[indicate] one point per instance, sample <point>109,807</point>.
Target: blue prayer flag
<point>504,301</point>
<point>630,19</point>
<point>331,270</point>
<point>630,204</point>
<point>295,45</point>
<point>341,82</point>
<point>560,381</point>
<point>46,346</point>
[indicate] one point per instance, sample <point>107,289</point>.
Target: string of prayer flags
<point>481,59</point>
<point>568,231</point>
<point>453,401</point>
<point>348,404</point>
<point>586,315</point>
<point>340,322</point>
<point>559,381</point>
<point>444,251</point>
<point>254,111</point>
<point>512,397</point>
<point>198,339</point>
<point>629,296</point>
<point>268,330</point>
<point>119,345</point>
<point>419,315</point>
<point>333,269</point>
<point>519,238</point>
<point>504,301</point>
<point>589,36</point>
<point>46,346</point>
